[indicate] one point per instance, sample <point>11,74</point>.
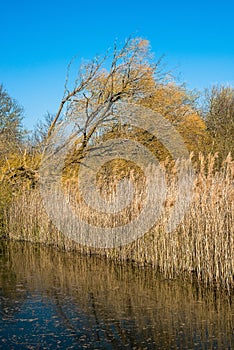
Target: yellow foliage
<point>19,171</point>
<point>173,103</point>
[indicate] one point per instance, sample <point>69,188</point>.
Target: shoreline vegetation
<point>201,248</point>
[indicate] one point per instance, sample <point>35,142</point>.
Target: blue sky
<point>39,38</point>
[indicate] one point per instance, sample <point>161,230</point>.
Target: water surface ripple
<point>55,300</point>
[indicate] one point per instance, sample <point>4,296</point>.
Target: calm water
<point>52,300</point>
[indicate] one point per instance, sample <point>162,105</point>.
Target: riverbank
<point>201,248</point>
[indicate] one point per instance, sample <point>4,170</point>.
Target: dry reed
<point>201,247</point>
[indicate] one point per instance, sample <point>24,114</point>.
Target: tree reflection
<point>12,291</point>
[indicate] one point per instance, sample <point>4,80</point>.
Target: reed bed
<point>201,248</point>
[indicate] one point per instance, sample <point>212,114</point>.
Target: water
<point>52,300</point>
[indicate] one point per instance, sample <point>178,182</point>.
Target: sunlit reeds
<point>201,247</point>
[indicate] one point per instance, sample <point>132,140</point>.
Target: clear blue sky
<point>38,39</point>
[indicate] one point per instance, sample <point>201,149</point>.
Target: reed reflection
<point>70,301</point>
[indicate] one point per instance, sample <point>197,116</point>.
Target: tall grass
<point>201,247</point>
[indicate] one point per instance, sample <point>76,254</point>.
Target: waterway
<point>57,300</point>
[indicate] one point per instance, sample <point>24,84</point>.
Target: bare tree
<point>11,130</point>
<point>38,137</point>
<point>125,74</point>
<point>219,118</point>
